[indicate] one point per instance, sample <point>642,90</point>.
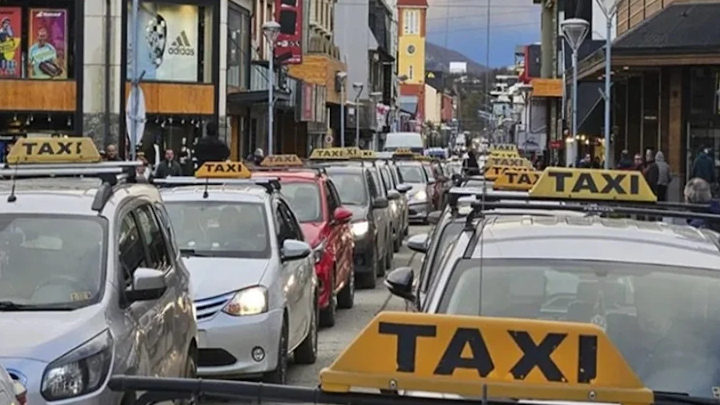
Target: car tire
<point>397,243</point>
<point>389,257</point>
<point>306,353</point>
<point>279,375</point>
<point>346,298</point>
<point>369,280</point>
<point>327,315</point>
<point>190,372</point>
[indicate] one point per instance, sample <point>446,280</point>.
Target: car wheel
<point>327,315</point>
<point>389,257</point>
<point>279,375</point>
<point>190,372</point>
<point>306,353</point>
<point>397,243</point>
<point>369,280</point>
<point>346,298</point>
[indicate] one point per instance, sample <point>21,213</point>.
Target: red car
<point>326,225</point>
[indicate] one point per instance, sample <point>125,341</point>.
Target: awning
<point>590,108</point>
<point>246,98</point>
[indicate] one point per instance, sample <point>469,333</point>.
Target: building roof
<point>677,27</point>
<point>412,3</point>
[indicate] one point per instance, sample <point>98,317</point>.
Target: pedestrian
<point>586,162</point>
<point>210,148</point>
<point>256,157</point>
<point>143,172</point>
<point>697,191</point>
<point>625,163</point>
<point>704,166</point>
<point>664,176</point>
<point>111,153</point>
<point>470,165</point>
<point>638,163</point>
<point>651,171</point>
<point>168,167</point>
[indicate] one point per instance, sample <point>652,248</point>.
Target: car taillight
<point>20,393</point>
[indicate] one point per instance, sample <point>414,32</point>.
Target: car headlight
<point>419,196</point>
<point>360,228</point>
<point>250,301</point>
<point>319,251</point>
<point>81,371</point>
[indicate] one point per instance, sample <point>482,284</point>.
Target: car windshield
<point>51,261</point>
<point>663,319</point>
<point>220,229</point>
<point>412,174</point>
<point>350,187</point>
<point>304,198</point>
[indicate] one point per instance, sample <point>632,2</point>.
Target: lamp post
<point>609,8</point>
<point>341,76</point>
<point>357,86</point>
<point>574,30</point>
<point>271,30</point>
<point>375,97</point>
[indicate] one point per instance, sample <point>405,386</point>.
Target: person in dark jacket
<point>169,167</point>
<point>697,191</point>
<point>470,164</point>
<point>111,154</point>
<point>257,157</point>
<point>586,162</point>
<point>651,171</point>
<point>704,167</point>
<point>625,163</point>
<point>638,163</point>
<point>210,148</point>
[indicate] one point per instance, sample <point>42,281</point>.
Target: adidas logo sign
<point>181,46</point>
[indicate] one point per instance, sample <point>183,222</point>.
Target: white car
<point>12,392</point>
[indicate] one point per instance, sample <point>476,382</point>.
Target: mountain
<point>438,58</point>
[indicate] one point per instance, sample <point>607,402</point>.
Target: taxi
<point>617,274</point>
<point>326,225</point>
<point>391,178</point>
<point>422,192</point>
<point>253,275</point>
<point>91,280</point>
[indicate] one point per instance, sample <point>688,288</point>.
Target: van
<point>404,140</point>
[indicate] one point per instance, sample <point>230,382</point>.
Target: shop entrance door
<point>698,137</point>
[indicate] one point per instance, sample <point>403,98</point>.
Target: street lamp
<point>341,76</point>
<point>609,8</point>
<point>574,30</point>
<point>271,30</point>
<point>357,86</point>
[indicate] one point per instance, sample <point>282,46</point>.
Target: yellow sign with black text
<point>335,153</point>
<point>516,181</point>
<point>367,154</point>
<point>593,184</point>
<point>504,155</point>
<point>504,148</point>
<point>513,358</point>
<point>53,150</point>
<point>504,161</point>
<point>281,161</point>
<point>493,172</point>
<point>223,170</point>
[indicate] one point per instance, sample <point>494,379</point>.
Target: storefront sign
<point>10,32</point>
<point>48,38</point>
<point>289,14</point>
<point>168,42</point>
<point>308,102</point>
<point>547,87</point>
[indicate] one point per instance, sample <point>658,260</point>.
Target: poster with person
<point>10,52</point>
<point>48,43</point>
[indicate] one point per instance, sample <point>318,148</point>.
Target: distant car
<point>421,194</point>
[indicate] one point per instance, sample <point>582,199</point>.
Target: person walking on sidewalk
<point>664,176</point>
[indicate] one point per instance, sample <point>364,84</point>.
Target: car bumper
<point>226,344</point>
<point>363,255</point>
<point>418,211</point>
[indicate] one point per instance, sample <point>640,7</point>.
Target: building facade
<point>411,55</point>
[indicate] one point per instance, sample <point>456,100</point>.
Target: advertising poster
<point>48,43</point>
<point>288,13</point>
<point>168,42</point>
<point>10,32</point>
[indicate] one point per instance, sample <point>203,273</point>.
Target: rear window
<point>304,199</point>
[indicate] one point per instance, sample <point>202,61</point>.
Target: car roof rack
<point>270,184</point>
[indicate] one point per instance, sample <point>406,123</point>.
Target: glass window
<point>220,229</point>
<point>378,183</point>
<point>38,40</point>
<point>448,236</point>
<point>294,231</point>
<point>670,343</point>
<point>174,42</point>
<point>350,187</point>
<point>386,178</point>
<point>153,238</point>
<point>412,174</point>
<point>51,260</point>
<point>304,198</point>
<point>131,251</point>
<point>238,48</point>
<point>333,200</point>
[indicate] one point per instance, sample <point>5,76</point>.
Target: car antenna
<point>205,192</point>
<point>12,197</point>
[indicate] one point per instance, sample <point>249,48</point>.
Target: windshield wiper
<point>664,397</point>
<point>193,252</point>
<point>9,306</point>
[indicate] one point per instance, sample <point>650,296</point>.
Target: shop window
<point>37,39</point>
<point>238,48</point>
<point>174,42</point>
<point>704,86</point>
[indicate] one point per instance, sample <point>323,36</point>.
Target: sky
<point>512,22</point>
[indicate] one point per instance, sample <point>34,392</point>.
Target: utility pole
<point>548,60</point>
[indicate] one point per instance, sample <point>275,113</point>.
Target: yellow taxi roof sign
<point>593,184</point>
<point>366,154</point>
<point>508,161</point>
<point>493,172</point>
<point>53,150</point>
<point>506,155</point>
<point>513,358</point>
<point>403,151</point>
<point>329,154</point>
<point>223,170</point>
<point>516,180</point>
<point>281,161</point>
<point>504,147</point>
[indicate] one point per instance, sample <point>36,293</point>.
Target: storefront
<point>41,67</point>
<point>178,58</point>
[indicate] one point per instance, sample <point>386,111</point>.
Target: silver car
<point>253,275</point>
<point>92,284</point>
<point>420,195</point>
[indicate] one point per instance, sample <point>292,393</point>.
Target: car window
<point>350,187</point>
<point>429,173</point>
<point>294,230</point>
<point>153,239</point>
<point>164,219</point>
<point>333,201</point>
<point>372,185</point>
<point>130,247</point>
<point>387,179</point>
<point>304,198</point>
<point>446,237</point>
<point>378,182</point>
<point>412,174</point>
<point>221,228</point>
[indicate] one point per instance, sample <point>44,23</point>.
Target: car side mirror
<point>434,217</point>
<point>342,215</point>
<point>394,195</point>
<point>294,250</point>
<point>403,188</point>
<point>147,285</point>
<point>418,243</point>
<point>400,283</point>
<point>380,202</point>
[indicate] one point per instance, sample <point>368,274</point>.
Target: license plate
<point>202,338</point>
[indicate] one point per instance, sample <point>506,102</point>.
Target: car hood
<point>213,276</point>
<point>312,232</point>
<point>359,212</point>
<point>416,187</point>
<point>45,336</point>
